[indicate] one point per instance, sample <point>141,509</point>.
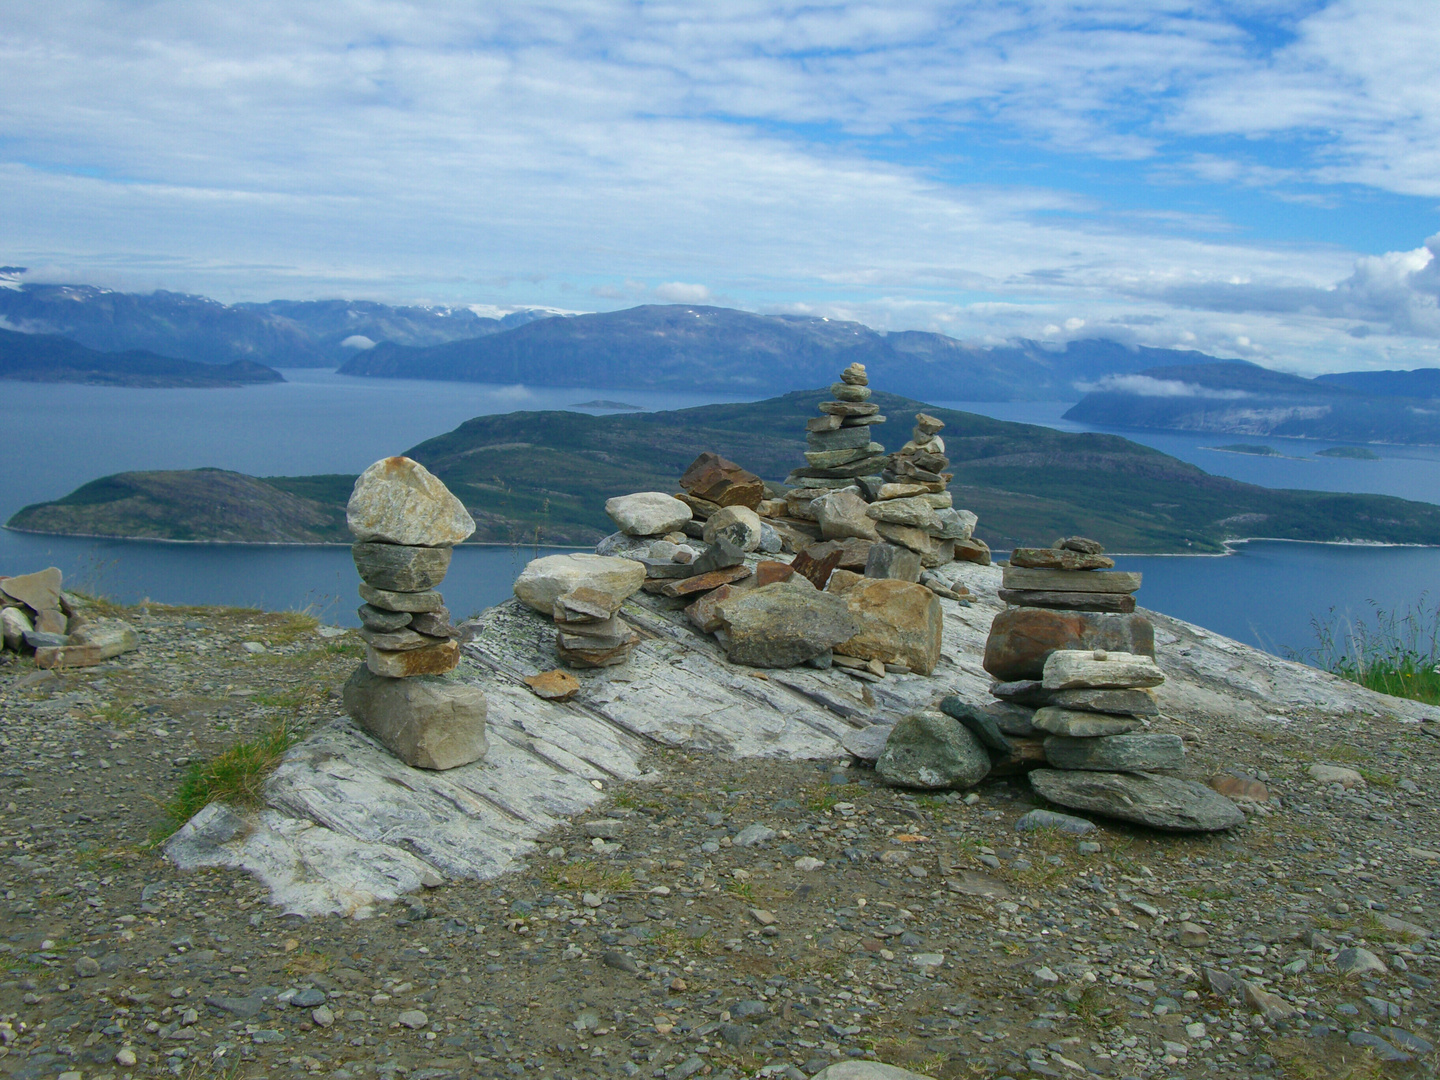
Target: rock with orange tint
<point>553,685</point>
<point>398,501</point>
<point>431,660</point>
<point>1240,788</point>
<point>900,621</point>
<point>722,482</point>
<point>1022,638</point>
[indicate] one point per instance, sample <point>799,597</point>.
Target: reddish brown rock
<point>702,613</point>
<point>816,571</point>
<point>703,582</point>
<point>1240,788</point>
<point>973,550</point>
<point>900,622</point>
<point>1022,638</point>
<point>553,685</point>
<point>714,479</point>
<point>769,572</point>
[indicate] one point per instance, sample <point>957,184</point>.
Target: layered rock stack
<point>839,445</point>
<point>406,523</point>
<point>1077,665</point>
<point>37,616</point>
<point>582,593</point>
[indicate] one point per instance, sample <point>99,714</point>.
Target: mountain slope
<point>1421,383</point>
<point>1242,399</point>
<point>708,349</point>
<point>546,475</point>
<point>50,358</point>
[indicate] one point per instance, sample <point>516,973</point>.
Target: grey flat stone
<point>1049,819</point>
<point>1078,724</point>
<point>868,743</point>
<point>1161,802</point>
<point>1133,753</point>
<point>978,722</point>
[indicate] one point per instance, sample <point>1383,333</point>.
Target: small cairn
<point>37,615</point>
<point>406,523</point>
<point>838,440</point>
<point>582,595</point>
<point>588,632</point>
<point>1077,666</point>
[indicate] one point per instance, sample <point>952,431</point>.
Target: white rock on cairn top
<point>399,501</point>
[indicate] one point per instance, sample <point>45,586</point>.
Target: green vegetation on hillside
<point>1354,453</point>
<point>1257,449</point>
<point>546,476</point>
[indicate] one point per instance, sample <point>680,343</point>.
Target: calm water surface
<point>1266,594</point>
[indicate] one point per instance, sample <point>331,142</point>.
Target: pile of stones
<point>37,616</point>
<point>582,594</point>
<point>1076,668</point>
<point>406,523</point>
<point>889,516</point>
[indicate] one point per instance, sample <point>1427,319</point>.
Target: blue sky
<point>1251,179</point>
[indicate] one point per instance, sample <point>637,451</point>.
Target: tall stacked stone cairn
<point>406,523</point>
<point>1076,666</point>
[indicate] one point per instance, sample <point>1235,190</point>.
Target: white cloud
<point>678,292</point>
<point>357,341</point>
<point>1148,386</point>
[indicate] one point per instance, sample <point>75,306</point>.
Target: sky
<point>1252,179</point>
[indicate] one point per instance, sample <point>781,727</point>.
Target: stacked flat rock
<point>406,523</point>
<point>1083,669</point>
<point>838,444</point>
<point>37,616</point>
<point>911,505</point>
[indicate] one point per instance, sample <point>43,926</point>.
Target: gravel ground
<point>655,939</point>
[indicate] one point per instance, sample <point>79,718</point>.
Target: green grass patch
<point>1396,652</point>
<point>236,776</point>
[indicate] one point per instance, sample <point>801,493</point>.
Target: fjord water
<point>1265,594</point>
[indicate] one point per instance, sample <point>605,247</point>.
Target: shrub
<point>1397,654</point>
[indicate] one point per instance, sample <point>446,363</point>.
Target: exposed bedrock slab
<point>429,722</point>
<point>545,580</point>
<point>932,751</point>
<point>784,624</point>
<point>1137,752</point>
<point>1161,802</point>
<point>398,501</point>
<point>900,622</point>
<point>647,513</point>
<point>1022,639</point>
<point>401,567</point>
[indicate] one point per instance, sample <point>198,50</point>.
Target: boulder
<point>900,622</point>
<point>545,580</point>
<point>867,744</point>
<point>1022,639</point>
<point>1097,581</point>
<point>930,750</point>
<point>429,600</point>
<point>1161,802</point>
<point>1049,819</point>
<point>914,511</point>
<point>434,659</point>
<point>39,591</point>
<point>702,613</point>
<point>1079,724</point>
<point>110,637</point>
<point>714,479</point>
<point>401,567</point>
<point>398,501</point>
<point>1139,752</point>
<point>428,722</point>
<point>843,514</point>
<point>14,625</point>
<point>973,551</point>
<point>1059,559</point>
<point>979,722</point>
<point>888,560</point>
<point>733,519</point>
<point>784,624</point>
<point>1100,669</point>
<point>955,525</point>
<point>647,513</point>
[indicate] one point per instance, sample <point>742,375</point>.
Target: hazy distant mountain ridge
<point>1422,383</point>
<point>1236,398</point>
<point>692,348</point>
<point>279,333</point>
<point>50,358</point>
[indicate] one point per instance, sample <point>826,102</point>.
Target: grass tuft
<point>236,777</point>
<point>1399,654</point>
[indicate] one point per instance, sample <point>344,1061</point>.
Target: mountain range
<point>51,358</point>
<point>1237,398</point>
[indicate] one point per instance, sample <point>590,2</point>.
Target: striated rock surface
<point>401,567</point>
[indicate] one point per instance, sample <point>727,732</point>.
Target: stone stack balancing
<point>582,594</point>
<point>406,523</point>
<point>838,442</point>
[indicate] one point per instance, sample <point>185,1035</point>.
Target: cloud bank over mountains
<point>1248,182</point>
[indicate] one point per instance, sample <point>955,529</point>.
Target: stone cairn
<point>37,615</point>
<point>406,523</point>
<point>1076,666</point>
<point>887,516</point>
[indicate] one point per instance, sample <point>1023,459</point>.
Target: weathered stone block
<point>900,623</point>
<point>428,722</point>
<point>1022,639</point>
<point>931,751</point>
<point>401,567</point>
<point>398,501</point>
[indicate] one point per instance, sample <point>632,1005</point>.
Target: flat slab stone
<point>1135,753</point>
<point>1118,603</point>
<point>1099,670</point>
<point>1161,802</point>
<point>1059,559</point>
<point>401,567</point>
<point>1098,581</point>
<point>39,591</point>
<point>1081,724</point>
